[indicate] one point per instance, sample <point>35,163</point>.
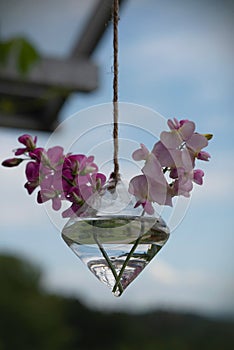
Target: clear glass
<point>115,240</point>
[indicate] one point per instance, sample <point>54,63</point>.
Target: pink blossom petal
<point>173,124</point>
<point>140,154</point>
<point>27,140</point>
<point>186,160</point>
<point>174,173</point>
<point>32,171</point>
<point>56,203</point>
<point>55,154</point>
<point>71,211</point>
<point>157,183</point>
<point>98,177</point>
<point>159,192</point>
<point>20,151</point>
<point>31,186</point>
<point>138,186</point>
<point>153,170</point>
<point>181,122</point>
<point>90,159</point>
<point>36,153</point>
<point>148,208</point>
<point>187,130</point>
<point>187,186</point>
<point>203,155</point>
<point>182,189</point>
<point>167,157</point>
<point>171,140</point>
<point>197,142</point>
<point>198,176</point>
<point>82,179</point>
<point>85,192</point>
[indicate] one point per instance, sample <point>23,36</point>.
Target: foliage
<point>19,50</point>
<point>33,319</point>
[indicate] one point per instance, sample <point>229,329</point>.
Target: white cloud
<point>218,185</point>
<point>168,275</point>
<point>178,54</point>
<point>200,56</point>
<point>218,178</point>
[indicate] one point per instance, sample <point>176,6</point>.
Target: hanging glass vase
<point>113,239</point>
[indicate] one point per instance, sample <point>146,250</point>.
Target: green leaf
<point>24,54</point>
<point>27,56</point>
<point>5,48</point>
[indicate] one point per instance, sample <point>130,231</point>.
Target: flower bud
<point>208,136</point>
<point>11,162</point>
<point>28,141</point>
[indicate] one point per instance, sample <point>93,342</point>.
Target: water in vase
<point>116,249</point>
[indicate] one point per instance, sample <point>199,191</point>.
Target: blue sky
<point>176,57</point>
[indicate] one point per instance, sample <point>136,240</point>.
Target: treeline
<point>31,319</point>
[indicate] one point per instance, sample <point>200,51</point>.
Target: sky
<point>176,60</point>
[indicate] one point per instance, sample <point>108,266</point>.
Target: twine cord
<point>115,174</point>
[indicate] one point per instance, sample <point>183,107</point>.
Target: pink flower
<point>168,170</point>
<point>177,125</point>
<point>78,164</point>
<point>183,183</point>
<point>51,161</point>
<point>36,153</point>
<point>138,186</point>
<point>94,184</point>
<point>28,141</point>
<point>173,124</point>
<point>97,181</point>
<point>32,174</point>
<point>152,186</point>
<point>54,156</point>
<point>182,187</point>
<point>180,132</point>
<point>50,189</point>
<point>202,155</point>
<point>198,176</point>
<point>77,170</point>
<point>167,157</point>
<point>197,142</point>
<point>79,196</point>
<point>158,186</point>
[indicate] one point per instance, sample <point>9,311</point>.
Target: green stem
<point>130,254</point>
<point>68,181</point>
<point>106,257</point>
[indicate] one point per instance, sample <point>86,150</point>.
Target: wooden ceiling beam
<point>94,29</point>
<point>35,100</point>
<point>70,75</point>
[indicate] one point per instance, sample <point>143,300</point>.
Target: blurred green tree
<point>32,319</point>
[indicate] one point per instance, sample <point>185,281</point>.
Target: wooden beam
<point>69,75</point>
<point>32,122</point>
<point>94,29</point>
<point>34,102</point>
